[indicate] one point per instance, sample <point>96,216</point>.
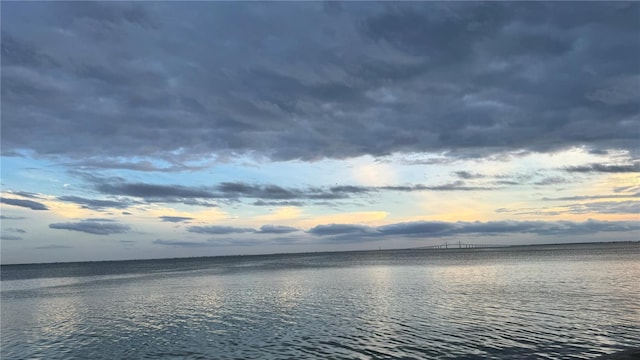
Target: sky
<point>134,130</point>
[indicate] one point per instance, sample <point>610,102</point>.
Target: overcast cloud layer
<point>169,129</point>
<point>177,82</point>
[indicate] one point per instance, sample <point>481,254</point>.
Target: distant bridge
<point>459,245</point>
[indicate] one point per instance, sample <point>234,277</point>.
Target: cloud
<point>604,207</point>
<point>240,189</point>
<point>275,229</point>
<point>275,192</point>
<point>627,189</point>
<point>218,230</point>
<point>153,193</point>
<point>418,228</point>
<point>209,243</point>
<point>551,180</point>
<point>356,233</point>
<point>93,226</point>
<point>435,229</point>
<point>350,189</point>
<point>143,190</point>
<point>459,79</point>
<point>266,194</point>
<point>466,175</point>
<point>459,186</point>
<point>175,219</point>
<point>225,191</point>
<point>147,166</point>
<point>10,237</point>
<point>33,205</point>
<point>279,203</point>
<point>26,194</point>
<point>406,188</point>
<point>339,229</point>
<point>591,197</point>
<point>195,202</point>
<point>96,204</point>
<point>595,207</point>
<point>604,168</point>
<point>5,217</point>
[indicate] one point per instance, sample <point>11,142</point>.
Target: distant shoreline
<point>453,247</point>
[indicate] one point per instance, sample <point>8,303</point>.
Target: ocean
<point>571,301</point>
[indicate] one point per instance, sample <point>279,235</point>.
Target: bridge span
<point>459,245</point>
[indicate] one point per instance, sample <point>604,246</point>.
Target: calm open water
<point>560,302</point>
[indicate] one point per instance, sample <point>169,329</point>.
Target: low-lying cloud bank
<point>30,204</point>
<point>93,226</point>
<point>355,233</point>
<point>444,229</point>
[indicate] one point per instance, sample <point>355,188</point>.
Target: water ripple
<point>473,305</point>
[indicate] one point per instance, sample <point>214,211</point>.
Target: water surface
<point>556,302</point>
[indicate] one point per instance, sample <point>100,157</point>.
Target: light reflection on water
<point>519,303</point>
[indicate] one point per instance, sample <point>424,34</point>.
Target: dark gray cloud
<point>278,203</point>
<point>202,196</point>
<point>596,207</point>
<point>406,188</point>
<point>224,242</point>
<point>507,182</point>
<point>340,229</point>
<point>604,207</point>
<point>218,230</point>
<point>466,175</point>
<point>26,194</point>
<point>267,194</point>
<point>275,192</point>
<point>175,219</point>
<point>459,186</point>
<point>350,189</point>
<point>435,229</point>
<point>277,229</point>
<point>93,226</point>
<point>592,197</point>
<point>5,217</point>
<point>30,204</point>
<point>551,180</point>
<point>96,204</point>
<point>209,243</point>
<point>240,189</point>
<point>147,166</point>
<point>10,237</point>
<point>604,168</point>
<point>423,228</point>
<point>195,202</point>
<point>627,189</point>
<point>151,191</point>
<point>129,84</point>
<point>224,230</point>
<point>354,233</point>
<point>15,230</point>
